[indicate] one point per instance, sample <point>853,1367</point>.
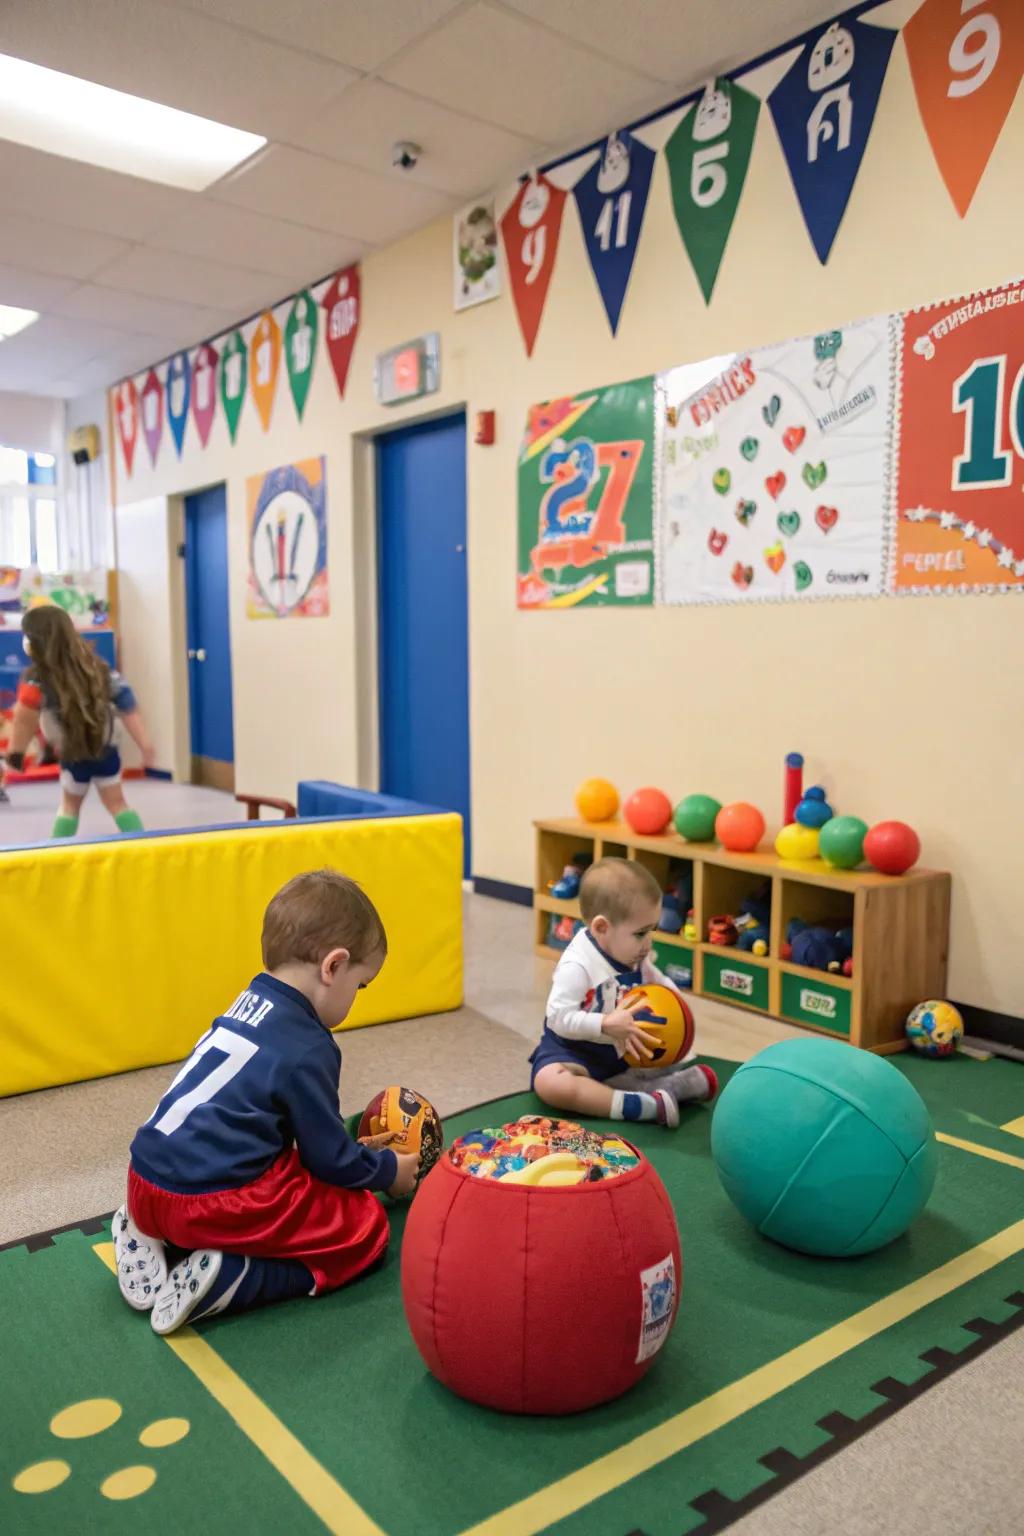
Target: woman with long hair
<point>77,699</point>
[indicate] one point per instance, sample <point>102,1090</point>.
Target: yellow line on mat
<point>313,1483</point>
<point>572,1493</point>
<point>972,1146</point>
<point>1014,1127</point>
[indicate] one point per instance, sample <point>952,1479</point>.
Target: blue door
<point>209,638</point>
<point>422,622</point>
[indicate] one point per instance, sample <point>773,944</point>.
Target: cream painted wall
<point>904,708</point>
<point>150,626</point>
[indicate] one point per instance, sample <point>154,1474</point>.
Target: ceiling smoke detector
<point>405,156</point>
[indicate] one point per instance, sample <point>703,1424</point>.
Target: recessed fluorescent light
<point>14,320</point>
<point>58,113</point>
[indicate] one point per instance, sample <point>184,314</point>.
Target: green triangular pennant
<point>234,373</point>
<point>300,347</point>
<point>707,159</point>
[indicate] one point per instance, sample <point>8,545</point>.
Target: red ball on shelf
<point>739,827</point>
<point>648,811</point>
<point>892,847</point>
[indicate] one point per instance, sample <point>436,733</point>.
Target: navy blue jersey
<point>262,1078</point>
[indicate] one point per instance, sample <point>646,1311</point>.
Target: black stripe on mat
<point>92,1226</point>
<point>720,1511</point>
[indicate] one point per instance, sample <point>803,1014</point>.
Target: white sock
<point>659,1105</point>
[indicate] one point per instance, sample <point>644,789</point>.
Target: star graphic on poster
<point>984,538</point>
<point>918,515</point>
<point>1006,557</point>
<point>969,530</point>
<point>1019,568</point>
<point>947,520</point>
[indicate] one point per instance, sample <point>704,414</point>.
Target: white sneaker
<point>141,1262</point>
<point>185,1287</point>
<point>668,1109</point>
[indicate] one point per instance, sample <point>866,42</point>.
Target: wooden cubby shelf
<point>900,929</point>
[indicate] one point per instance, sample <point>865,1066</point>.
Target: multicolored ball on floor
<point>824,1148</point>
<point>405,1121</point>
<point>667,1015</point>
<point>935,1028</point>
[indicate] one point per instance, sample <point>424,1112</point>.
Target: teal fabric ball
<point>826,1149</point>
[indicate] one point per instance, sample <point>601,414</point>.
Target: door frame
<point>188,767</point>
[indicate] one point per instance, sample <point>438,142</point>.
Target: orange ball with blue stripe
<point>666,1015</point>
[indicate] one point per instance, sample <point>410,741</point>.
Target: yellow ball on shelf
<point>597,800</point>
<point>797,842</point>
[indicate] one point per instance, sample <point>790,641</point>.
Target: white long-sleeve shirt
<point>587,984</point>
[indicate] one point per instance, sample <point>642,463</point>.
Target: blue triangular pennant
<point>610,199</point>
<point>179,394</point>
<point>823,108</point>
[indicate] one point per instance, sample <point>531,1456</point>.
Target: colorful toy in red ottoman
<point>541,1267</point>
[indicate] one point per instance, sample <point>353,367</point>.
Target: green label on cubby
<point>735,981</point>
<point>815,1002</point>
<point>677,963</point>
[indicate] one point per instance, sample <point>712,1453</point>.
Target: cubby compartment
<point>555,851</point>
<point>725,890</point>
<point>818,906</point>
<point>612,850</point>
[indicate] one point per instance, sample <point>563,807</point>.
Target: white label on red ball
<point>658,1284</point>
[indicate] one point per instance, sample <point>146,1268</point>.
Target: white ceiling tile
<point>362,33</point>
<point>179,324</point>
<point>291,252</point>
<point>293,184</point>
<point>460,154</point>
<point>496,66</point>
<point>57,345</point>
<point>84,196</point>
<point>29,290</point>
<point>679,41</point>
<point>55,249</point>
<point>189,279</point>
<point>177,56</point>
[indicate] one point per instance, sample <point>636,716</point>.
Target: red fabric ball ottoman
<point>535,1299</point>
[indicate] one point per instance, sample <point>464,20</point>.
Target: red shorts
<point>284,1214</point>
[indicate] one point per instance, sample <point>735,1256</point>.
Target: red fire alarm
<point>484,431</point>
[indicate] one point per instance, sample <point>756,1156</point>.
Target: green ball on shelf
<point>695,818</point>
<point>842,841</point>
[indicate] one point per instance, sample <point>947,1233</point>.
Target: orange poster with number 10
<point>960,476</point>
<point>966,60</point>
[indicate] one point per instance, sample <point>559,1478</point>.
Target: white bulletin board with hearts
<point>775,475</point>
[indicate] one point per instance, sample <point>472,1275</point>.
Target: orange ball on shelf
<point>739,827</point>
<point>597,800</point>
<point>648,811</point>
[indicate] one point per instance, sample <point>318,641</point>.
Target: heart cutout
<point>742,575</point>
<point>770,412</point>
<point>826,518</point>
<point>775,557</point>
<point>802,572</point>
<point>748,448</point>
<point>793,437</point>
<point>789,523</point>
<point>745,511</point>
<point>775,484</point>
<point>717,540</point>
<point>815,475</point>
<point>721,480</point>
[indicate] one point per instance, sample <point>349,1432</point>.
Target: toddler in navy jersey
<point>246,1164</point>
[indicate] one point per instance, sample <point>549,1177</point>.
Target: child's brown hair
<point>68,668</point>
<point>317,912</point>
<point>612,888</point>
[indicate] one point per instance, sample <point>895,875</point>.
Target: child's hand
<point>623,1028</point>
<point>408,1168</point>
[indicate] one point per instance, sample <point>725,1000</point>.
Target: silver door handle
<point>191,654</point>
<point>200,654</point>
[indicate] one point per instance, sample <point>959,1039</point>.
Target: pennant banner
<point>204,391</point>
<point>342,307</point>
<point>234,372</point>
<point>707,157</point>
<point>264,365</point>
<point>300,348</point>
<point>774,475</point>
<point>960,508</point>
<point>823,108</point>
<point>586,500</point>
<point>966,62</point>
<point>126,409</point>
<point>530,228</point>
<point>153,414</point>
<point>179,393</point>
<point>611,199</point>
